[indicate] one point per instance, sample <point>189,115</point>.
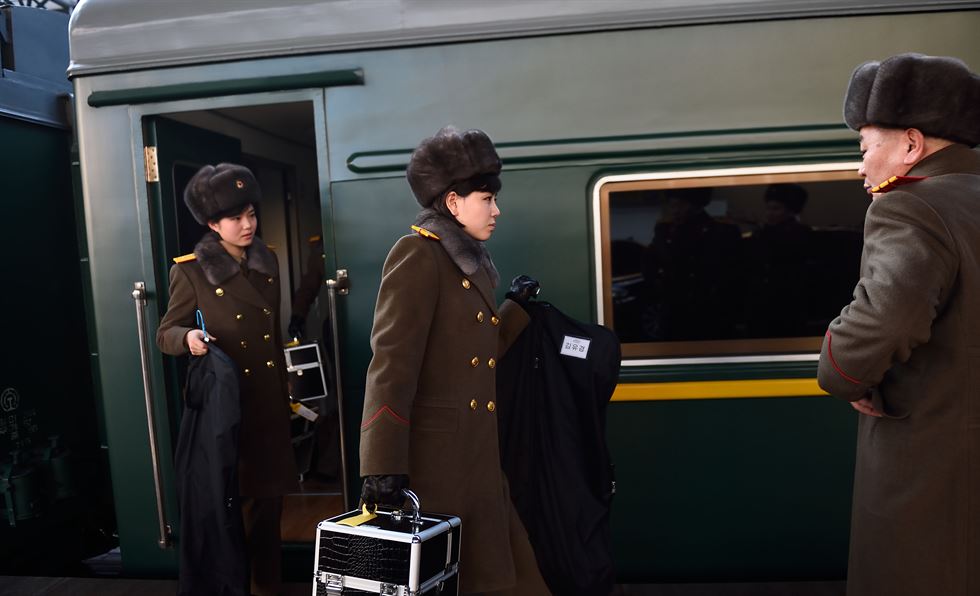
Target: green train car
<point>53,471</point>
<point>731,464</point>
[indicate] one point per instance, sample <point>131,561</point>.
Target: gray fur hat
<point>219,191</point>
<point>448,158</point>
<point>935,94</point>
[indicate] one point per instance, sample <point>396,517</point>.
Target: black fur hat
<point>219,191</point>
<point>935,94</point>
<point>448,158</point>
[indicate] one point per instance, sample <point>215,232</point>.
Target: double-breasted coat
<point>429,405</point>
<point>241,310</point>
<point>911,340</point>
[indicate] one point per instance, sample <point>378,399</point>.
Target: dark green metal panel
<point>46,381</point>
<point>732,489</point>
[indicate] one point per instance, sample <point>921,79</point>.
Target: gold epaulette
<point>185,258</point>
<point>425,233</point>
<point>894,181</point>
<point>270,246</point>
<point>314,239</point>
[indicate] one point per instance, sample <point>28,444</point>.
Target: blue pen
<point>200,323</point>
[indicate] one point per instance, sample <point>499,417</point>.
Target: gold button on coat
<point>491,363</point>
<point>474,362</point>
<point>491,406</point>
<point>270,364</point>
<point>466,283</point>
<point>266,337</point>
<point>270,280</point>
<point>244,344</point>
<point>219,292</point>
<point>473,404</point>
<point>479,317</point>
<point>494,320</point>
<point>239,317</point>
<point>247,372</point>
<point>267,311</point>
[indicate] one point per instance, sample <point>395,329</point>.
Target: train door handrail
<point>139,296</point>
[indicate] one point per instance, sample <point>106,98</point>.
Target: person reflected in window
<point>689,271</point>
<point>777,258</point>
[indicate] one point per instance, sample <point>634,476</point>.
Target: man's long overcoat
<point>241,310</point>
<point>429,404</point>
<point>911,339</point>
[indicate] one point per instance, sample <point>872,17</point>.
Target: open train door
<point>176,145</point>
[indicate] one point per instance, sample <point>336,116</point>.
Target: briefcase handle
<point>416,507</point>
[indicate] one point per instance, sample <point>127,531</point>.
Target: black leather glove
<point>522,289</point>
<point>384,489</point>
<point>295,328</point>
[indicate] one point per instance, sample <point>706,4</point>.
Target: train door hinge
<point>150,165</point>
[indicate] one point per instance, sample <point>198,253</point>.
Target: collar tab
<point>894,182</point>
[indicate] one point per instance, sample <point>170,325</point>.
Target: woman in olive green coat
<point>429,411</point>
<point>233,278</point>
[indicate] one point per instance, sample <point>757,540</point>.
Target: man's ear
<point>916,144</point>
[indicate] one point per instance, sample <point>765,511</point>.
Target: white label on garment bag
<point>577,347</point>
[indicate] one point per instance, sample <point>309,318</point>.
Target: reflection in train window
<point>729,262</point>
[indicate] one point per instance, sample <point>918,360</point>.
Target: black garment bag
<point>553,386</point>
<point>212,535</point>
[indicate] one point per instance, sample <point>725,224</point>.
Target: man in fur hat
<point>906,351</point>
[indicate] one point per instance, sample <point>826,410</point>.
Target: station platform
<point>68,586</point>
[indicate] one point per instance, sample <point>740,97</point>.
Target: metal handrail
<point>341,285</point>
<point>139,296</point>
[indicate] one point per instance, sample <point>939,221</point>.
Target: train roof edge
<point>122,35</point>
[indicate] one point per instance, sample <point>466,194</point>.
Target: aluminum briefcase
<point>396,553</point>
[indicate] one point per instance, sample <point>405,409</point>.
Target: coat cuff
<point>384,443</point>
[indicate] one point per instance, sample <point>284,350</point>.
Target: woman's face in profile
<point>477,212</point>
<point>237,230</point>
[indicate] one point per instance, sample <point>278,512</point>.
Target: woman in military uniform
<point>429,410</point>
<point>233,279</point>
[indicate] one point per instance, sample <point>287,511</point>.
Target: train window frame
<point>702,351</point>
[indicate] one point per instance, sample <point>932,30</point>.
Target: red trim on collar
<point>894,181</point>
<point>830,353</point>
<point>382,410</point>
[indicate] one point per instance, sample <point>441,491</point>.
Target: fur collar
<point>219,266</point>
<point>468,253</point>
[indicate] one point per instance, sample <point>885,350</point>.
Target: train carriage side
<point>53,472</point>
<point>730,464</point>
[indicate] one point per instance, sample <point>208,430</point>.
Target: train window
<point>728,262</point>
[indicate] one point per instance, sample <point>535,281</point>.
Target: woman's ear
<point>451,198</point>
<point>214,226</point>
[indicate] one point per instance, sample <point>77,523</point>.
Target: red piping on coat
<point>391,413</point>
<point>834,362</point>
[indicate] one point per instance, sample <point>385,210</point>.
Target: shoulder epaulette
<point>185,258</point>
<point>895,181</point>
<point>270,246</point>
<point>424,233</point>
<point>313,239</point>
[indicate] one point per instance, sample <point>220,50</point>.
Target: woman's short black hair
<point>481,182</point>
